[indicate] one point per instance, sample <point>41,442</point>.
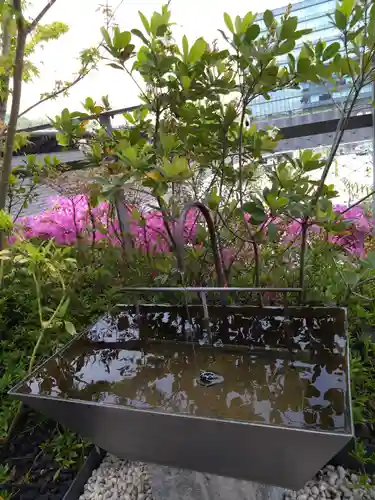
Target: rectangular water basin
<point>273,403</point>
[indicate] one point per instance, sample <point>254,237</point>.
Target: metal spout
<point>179,239</point>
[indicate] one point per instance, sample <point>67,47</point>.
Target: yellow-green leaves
<point>145,22</point>
<point>276,202</point>
<point>197,50</point>
<point>213,199</point>
<point>185,49</point>
<point>119,45</point>
<point>70,328</point>
<point>309,161</point>
<point>168,143</point>
<point>186,82</point>
<point>228,22</point>
<point>159,22</point>
<point>177,170</point>
<point>347,6</point>
<point>92,107</point>
<point>6,221</point>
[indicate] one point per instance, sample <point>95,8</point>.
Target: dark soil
<point>34,473</point>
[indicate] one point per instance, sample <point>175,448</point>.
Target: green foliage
<point>66,449</point>
<point>193,139</point>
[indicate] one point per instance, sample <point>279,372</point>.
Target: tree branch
<point>56,93</point>
<point>39,17</point>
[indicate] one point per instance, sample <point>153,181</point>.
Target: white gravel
<point>335,483</point>
<point>117,479</point>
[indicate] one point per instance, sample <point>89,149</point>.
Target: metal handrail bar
<point>209,289</point>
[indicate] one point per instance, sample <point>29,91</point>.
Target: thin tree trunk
<point>5,52</point>
<point>15,109</point>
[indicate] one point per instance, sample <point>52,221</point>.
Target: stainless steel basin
<point>132,384</point>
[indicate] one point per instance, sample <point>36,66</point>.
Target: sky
<point>58,59</point>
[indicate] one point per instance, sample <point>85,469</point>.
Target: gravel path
<point>334,483</point>
<point>121,480</point>
<point>117,479</point>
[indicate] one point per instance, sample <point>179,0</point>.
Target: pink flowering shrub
<point>352,239</point>
<point>71,219</point>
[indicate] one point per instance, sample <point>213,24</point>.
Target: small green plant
<point>66,448</point>
<point>363,458</point>
<point>4,478</point>
<point>45,264</point>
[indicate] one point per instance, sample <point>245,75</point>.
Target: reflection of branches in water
<point>254,379</point>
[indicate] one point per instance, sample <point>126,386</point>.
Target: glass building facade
<point>310,97</point>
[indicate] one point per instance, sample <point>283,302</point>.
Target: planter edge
<point>91,463</point>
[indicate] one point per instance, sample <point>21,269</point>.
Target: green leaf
<point>230,115</point>
<point>271,232</point>
<point>248,20</point>
<point>121,39</point>
<point>238,23</point>
<point>303,65</point>
<point>319,47</point>
<point>347,7</point>
<point>286,47</point>
<point>185,48</point>
<point>350,277</point>
<point>127,52</point>
<point>252,32</point>
<point>300,33</point>
<point>331,50</point>
<point>340,19</point>
<point>106,37</point>
<point>276,203</point>
<point>62,139</point>
<point>197,50</point>
<point>288,28</point>
<point>177,169</point>
<point>370,259</point>
<point>228,22</point>
<point>268,18</point>
<point>70,328</point>
<point>168,142</point>
<point>291,62</point>
<point>115,66</point>
<point>250,206</point>
<point>213,199</point>
<point>258,216</point>
<point>140,35</point>
<point>256,211</point>
<point>186,82</point>
<point>145,23</point>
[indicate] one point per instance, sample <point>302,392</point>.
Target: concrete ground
<point>173,484</point>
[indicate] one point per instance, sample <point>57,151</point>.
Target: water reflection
<point>276,370</point>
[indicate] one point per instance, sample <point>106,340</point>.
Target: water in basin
<point>267,375</point>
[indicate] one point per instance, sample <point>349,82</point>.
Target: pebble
<point>117,479</point>
<point>334,483</point>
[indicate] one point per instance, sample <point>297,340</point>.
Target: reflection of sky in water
<point>250,393</point>
<point>264,389</point>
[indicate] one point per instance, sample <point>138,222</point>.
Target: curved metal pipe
<point>180,242</point>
